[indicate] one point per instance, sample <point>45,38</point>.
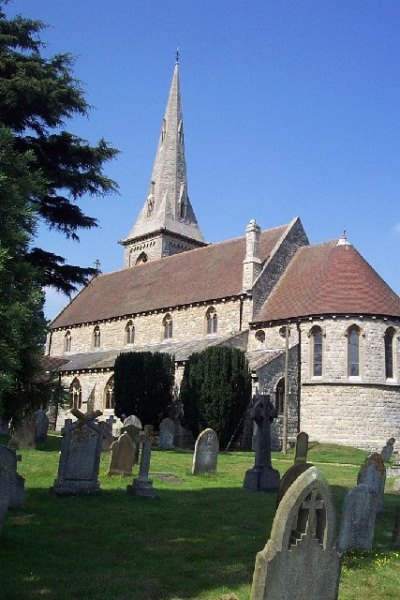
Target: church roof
<point>329,279</point>
<point>198,275</point>
<point>167,206</point>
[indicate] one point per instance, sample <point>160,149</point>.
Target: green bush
<point>143,385</point>
<point>215,391</point>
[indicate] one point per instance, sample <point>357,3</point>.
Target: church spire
<point>167,216</point>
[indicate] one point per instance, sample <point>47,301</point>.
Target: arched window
<point>211,320</point>
<point>316,351</point>
<point>389,351</point>
<point>142,258</point>
<point>280,395</point>
<point>260,336</point>
<point>167,326</point>
<point>96,337</point>
<point>129,333</point>
<point>353,351</point>
<point>109,401</point>
<point>67,342</point>
<point>75,394</point>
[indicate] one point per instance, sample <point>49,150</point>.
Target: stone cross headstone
<point>10,477</point>
<point>143,486</point>
<point>23,434</point>
<point>387,450</point>
<point>358,519</point>
<point>396,529</point>
<point>42,425</point>
<point>300,465</point>
<point>166,434</point>
<point>373,474</point>
<point>78,468</point>
<point>300,561</point>
<point>205,452</point>
<point>122,456</point>
<point>108,437</point>
<point>262,477</point>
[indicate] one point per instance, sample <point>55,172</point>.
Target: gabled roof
<point>198,275</point>
<point>329,279</point>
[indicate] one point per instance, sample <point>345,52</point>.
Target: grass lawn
<point>197,540</point>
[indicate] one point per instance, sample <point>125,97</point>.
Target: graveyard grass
<point>197,540</point>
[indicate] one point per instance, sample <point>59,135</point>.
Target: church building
<point>317,323</point>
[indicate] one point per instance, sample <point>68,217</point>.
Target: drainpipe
<point>298,376</point>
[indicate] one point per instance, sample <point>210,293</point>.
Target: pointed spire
<point>167,206</point>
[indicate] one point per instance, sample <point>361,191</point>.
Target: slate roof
<point>327,279</point>
<point>198,275</point>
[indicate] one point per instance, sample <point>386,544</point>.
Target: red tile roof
<point>198,275</point>
<point>329,279</point>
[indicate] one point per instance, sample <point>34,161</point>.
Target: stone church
<point>318,324</point>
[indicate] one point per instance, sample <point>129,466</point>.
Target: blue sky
<point>291,108</point>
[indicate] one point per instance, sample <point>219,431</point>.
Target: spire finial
<point>177,56</point>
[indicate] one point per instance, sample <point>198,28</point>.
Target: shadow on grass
<point>52,444</point>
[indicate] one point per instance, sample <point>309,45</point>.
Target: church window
<point>316,351</point>
<point>67,342</point>
<point>129,333</point>
<point>280,396</point>
<point>167,327</point>
<point>75,394</point>
<point>142,258</point>
<point>96,337</point>
<point>389,348</point>
<point>353,351</point>
<point>211,321</point>
<point>260,336</point>
<point>109,401</point>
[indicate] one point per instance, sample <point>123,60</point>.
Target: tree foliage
<point>37,95</point>
<point>143,385</point>
<point>215,391</point>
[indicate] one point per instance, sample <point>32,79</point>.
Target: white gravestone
<point>205,452</point>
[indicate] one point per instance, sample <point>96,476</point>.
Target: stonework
<point>357,526</point>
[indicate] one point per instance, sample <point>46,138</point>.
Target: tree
<point>215,391</point>
<point>22,326</point>
<point>37,95</point>
<point>143,385</point>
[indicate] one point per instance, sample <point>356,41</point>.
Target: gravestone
<point>300,465</point>
<point>135,434</point>
<point>262,477</point>
<point>133,420</point>
<point>205,453</point>
<point>396,529</point>
<point>143,486</point>
<point>122,456</point>
<point>42,425</point>
<point>4,500</point>
<point>150,434</point>
<point>387,450</point>
<point>373,474</point>
<point>10,477</point>
<point>108,437</point>
<point>301,449</point>
<point>23,434</point>
<point>166,434</point>
<point>300,561</point>
<point>358,519</point>
<point>80,456</point>
<point>3,427</point>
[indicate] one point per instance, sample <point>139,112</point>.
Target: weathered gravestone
<point>300,465</point>
<point>166,434</point>
<point>299,561</point>
<point>122,456</point>
<point>42,425</point>
<point>108,437</point>
<point>387,450</point>
<point>10,478</point>
<point>135,434</point>
<point>373,474</point>
<point>358,519</point>
<point>80,456</point>
<point>150,434</point>
<point>133,420</point>
<point>23,434</point>
<point>262,477</point>
<point>143,486</point>
<point>205,452</point>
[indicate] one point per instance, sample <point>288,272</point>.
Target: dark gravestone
<point>373,474</point>
<point>387,450</point>
<point>10,478</point>
<point>108,437</point>
<point>23,434</point>
<point>166,434</point>
<point>78,468</point>
<point>262,477</point>
<point>300,561</point>
<point>301,447</point>
<point>358,519</point>
<point>42,425</point>
<point>300,465</point>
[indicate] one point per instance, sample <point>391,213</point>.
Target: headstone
<point>122,456</point>
<point>143,486</point>
<point>3,427</point>
<point>108,437</point>
<point>133,420</point>
<point>4,500</point>
<point>150,434</point>
<point>135,435</point>
<point>262,477</point>
<point>42,425</point>
<point>10,477</point>
<point>373,474</point>
<point>166,434</point>
<point>23,434</point>
<point>396,529</point>
<point>387,450</point>
<point>205,453</point>
<point>80,456</point>
<point>301,447</point>
<point>299,560</point>
<point>300,465</point>
<point>358,519</point>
